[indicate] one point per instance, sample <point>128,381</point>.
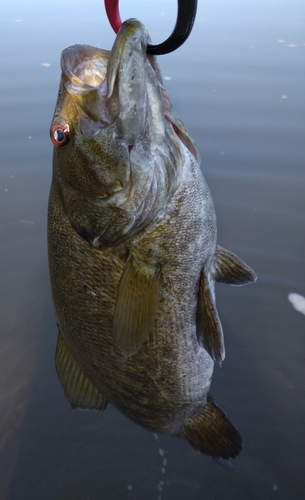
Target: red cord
<point>112,11</point>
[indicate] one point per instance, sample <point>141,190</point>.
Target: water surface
<point>238,84</point>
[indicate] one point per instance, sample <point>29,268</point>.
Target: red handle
<point>112,11</point>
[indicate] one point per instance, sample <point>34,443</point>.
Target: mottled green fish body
<point>132,249</point>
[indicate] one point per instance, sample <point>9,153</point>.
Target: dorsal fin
<point>78,388</point>
<point>209,329</point>
<point>228,268</point>
<point>136,305</point>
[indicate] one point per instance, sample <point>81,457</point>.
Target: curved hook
<point>185,20</point>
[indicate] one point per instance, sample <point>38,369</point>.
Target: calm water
<point>239,85</point>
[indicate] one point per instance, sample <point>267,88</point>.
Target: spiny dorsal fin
<point>211,433</point>
<point>136,305</point>
<point>78,388</point>
<point>209,329</point>
<point>231,269</point>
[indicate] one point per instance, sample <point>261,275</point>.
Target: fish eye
<point>60,134</point>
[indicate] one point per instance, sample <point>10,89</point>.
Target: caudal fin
<point>211,433</point>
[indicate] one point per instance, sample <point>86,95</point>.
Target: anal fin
<point>231,269</point>
<point>136,305</point>
<point>209,329</point>
<point>211,433</point>
<point>78,388</point>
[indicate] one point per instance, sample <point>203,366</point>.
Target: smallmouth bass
<point>132,246</point>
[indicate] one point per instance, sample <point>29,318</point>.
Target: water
<point>238,84</point>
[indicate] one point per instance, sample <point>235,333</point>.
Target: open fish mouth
<point>122,86</point>
<point>114,87</point>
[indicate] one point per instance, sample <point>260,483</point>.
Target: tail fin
<point>211,433</point>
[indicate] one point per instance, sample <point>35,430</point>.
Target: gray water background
<point>239,86</point>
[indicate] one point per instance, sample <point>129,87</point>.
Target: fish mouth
<point>123,87</point>
<point>91,72</point>
<point>114,86</point>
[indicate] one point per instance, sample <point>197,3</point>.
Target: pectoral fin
<point>231,269</point>
<point>78,388</point>
<point>209,329</point>
<point>135,306</point>
<point>211,433</point>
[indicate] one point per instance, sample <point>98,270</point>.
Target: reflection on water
<point>238,85</point>
<point>297,301</point>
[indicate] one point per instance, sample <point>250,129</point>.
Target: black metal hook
<point>185,20</point>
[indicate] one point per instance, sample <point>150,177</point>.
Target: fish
<point>133,252</point>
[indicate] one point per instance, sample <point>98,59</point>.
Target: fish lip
<point>131,34</point>
<point>75,58</point>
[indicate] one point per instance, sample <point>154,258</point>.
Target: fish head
<point>118,142</point>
